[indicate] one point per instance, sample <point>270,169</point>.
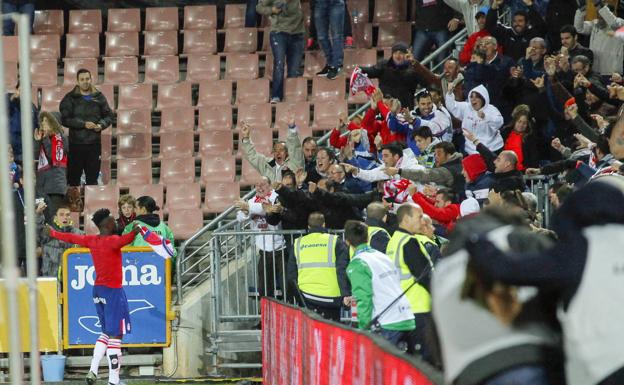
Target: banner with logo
<point>299,348</point>
<point>147,283</point>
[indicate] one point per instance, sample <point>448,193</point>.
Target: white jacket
<point>608,50</point>
<point>469,11</point>
<point>257,216</point>
<point>487,130</point>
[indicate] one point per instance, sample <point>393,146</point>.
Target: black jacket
<point>398,81</point>
<point>380,240</point>
<point>433,17</point>
<point>558,14</point>
<point>76,109</point>
<point>339,207</point>
<point>515,45</point>
<point>503,181</point>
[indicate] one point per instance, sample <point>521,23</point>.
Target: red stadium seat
<point>51,96</point>
<point>82,45</point>
<point>134,121</point>
<point>201,67</point>
<point>161,19</point>
<point>185,223</point>
<point>200,41</point>
<point>200,17</point>
<point>177,170</point>
<point>162,69</point>
<point>324,89</point>
<point>213,93</point>
<point>121,70</point>
<point>362,35</point>
<point>107,145</point>
<point>134,172</point>
<point>160,43</point>
<point>234,16</point>
<point>218,142</point>
<point>359,57</point>
<point>109,93</point>
<point>391,33</point>
<point>10,75</point>
<point>124,20</point>
<point>43,72</point>
<point>257,115</point>
<point>262,139</point>
<point>314,62</point>
<point>302,131</point>
<point>45,46</point>
<point>295,89</point>
<point>105,169</point>
<point>177,119</point>
<point>151,190</point>
<point>72,66</point>
<point>390,11</point>
<point>358,10</point>
<point>215,118</point>
<point>249,175</point>
<point>135,96</point>
<point>10,48</point>
<point>97,197</point>
<point>177,144</point>
<point>85,21</point>
<point>326,114</point>
<point>183,196</point>
<point>252,91</point>
<point>49,22</point>
<point>242,40</point>
<point>241,66</point>
<point>135,145</point>
<point>218,168</point>
<point>174,95</point>
<point>219,196</point>
<point>301,111</point>
<point>122,44</point>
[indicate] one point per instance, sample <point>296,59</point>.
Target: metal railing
<point>539,185</point>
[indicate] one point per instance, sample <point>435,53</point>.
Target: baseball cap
<point>400,47</point>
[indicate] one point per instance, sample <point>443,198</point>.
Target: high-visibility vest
<point>372,230</point>
<point>418,296</point>
<point>316,264</point>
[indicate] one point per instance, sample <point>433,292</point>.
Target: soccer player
<point>108,294</point>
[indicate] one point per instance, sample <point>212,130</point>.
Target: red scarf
<point>59,155</point>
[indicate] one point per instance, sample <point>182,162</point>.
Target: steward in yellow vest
<point>378,236</point>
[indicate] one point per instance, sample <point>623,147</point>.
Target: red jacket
<point>374,127</point>
<point>446,216</point>
<point>336,140</point>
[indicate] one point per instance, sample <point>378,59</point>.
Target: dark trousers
<point>419,337</point>
<point>348,31</point>
<point>271,279</point>
<point>26,7</point>
<point>397,338</point>
<point>251,16</point>
<point>83,157</point>
<point>328,312</point>
<point>287,50</point>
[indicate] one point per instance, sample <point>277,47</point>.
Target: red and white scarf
<point>396,189</point>
<point>59,155</point>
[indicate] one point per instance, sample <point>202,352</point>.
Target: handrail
<point>460,35</point>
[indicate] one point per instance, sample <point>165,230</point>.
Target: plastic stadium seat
<point>10,75</point>
<point>215,118</point>
<point>243,40</point>
<point>295,89</point>
<point>326,114</point>
<point>109,93</point>
<point>200,41</point>
<point>162,69</point>
<point>391,33</point>
<point>266,43</point>
<point>89,227</point>
<point>362,35</point>
<point>234,16</point>
<point>220,196</point>
<point>135,145</point>
<point>134,121</point>
<point>10,48</point>
<point>324,89</point>
<point>241,66</point>
<point>160,43</point>
<point>75,218</point>
<point>122,44</point>
<point>360,97</point>
<point>81,45</point>
<point>85,21</point>
<point>302,131</point>
<point>124,20</point>
<point>359,57</point>
<point>183,196</point>
<point>262,139</point>
<point>134,172</point>
<point>389,11</point>
<point>49,22</point>
<point>215,143</point>
<point>135,96</point>
<point>252,91</point>
<point>177,170</point>
<point>200,17</point>
<point>203,67</point>
<point>151,190</point>
<point>72,66</point>
<point>43,72</point>
<point>45,46</point>
<point>177,119</point>
<point>121,70</point>
<point>221,168</point>
<point>249,175</point>
<point>313,63</point>
<point>218,92</point>
<point>174,95</point>
<point>97,197</point>
<point>185,223</point>
<point>177,144</point>
<point>51,96</point>
<point>257,115</point>
<point>161,19</point>
<point>105,169</point>
<point>358,10</point>
<point>107,145</point>
<point>301,111</point>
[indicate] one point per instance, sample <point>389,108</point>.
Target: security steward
<point>378,236</point>
<point>412,260</point>
<point>317,267</point>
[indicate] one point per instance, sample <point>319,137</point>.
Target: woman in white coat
<point>478,116</point>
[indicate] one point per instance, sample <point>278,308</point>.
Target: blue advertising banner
<point>147,286</point>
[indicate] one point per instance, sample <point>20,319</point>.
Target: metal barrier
<point>539,185</point>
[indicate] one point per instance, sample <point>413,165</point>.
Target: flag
<point>161,246</point>
<point>360,82</point>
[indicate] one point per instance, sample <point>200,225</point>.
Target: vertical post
<point>9,260</point>
<point>23,21</point>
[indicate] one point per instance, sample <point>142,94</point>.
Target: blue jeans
<point>251,16</point>
<point>287,49</point>
<point>330,13</point>
<point>26,7</point>
<point>394,336</point>
<point>424,39</point>
<point>526,374</point>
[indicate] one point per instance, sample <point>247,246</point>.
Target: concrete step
<point>85,361</point>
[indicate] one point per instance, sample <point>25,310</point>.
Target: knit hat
<point>400,47</point>
<point>468,207</point>
<point>474,166</point>
<point>100,215</point>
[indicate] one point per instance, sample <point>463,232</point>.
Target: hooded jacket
<point>608,51</point>
<point>76,109</point>
<point>487,129</point>
<point>153,223</point>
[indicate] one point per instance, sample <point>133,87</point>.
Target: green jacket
<point>289,20</point>
<point>162,229</point>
